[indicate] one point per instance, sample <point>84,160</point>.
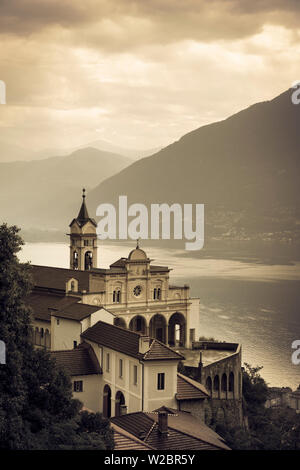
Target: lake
<point>254,304</point>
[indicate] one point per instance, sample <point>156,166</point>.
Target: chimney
<point>163,422</point>
<point>144,344</point>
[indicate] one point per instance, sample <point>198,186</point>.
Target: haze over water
<point>254,304</point>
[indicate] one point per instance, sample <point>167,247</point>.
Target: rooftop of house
<point>50,277</point>
<point>79,361</point>
<point>184,431</point>
<point>126,441</point>
<point>128,342</point>
<point>189,389</point>
<point>44,304</point>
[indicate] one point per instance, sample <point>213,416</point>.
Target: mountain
<point>134,154</point>
<point>46,193</point>
<point>245,169</point>
<point>10,152</point>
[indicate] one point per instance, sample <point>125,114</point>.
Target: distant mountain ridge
<point>45,193</point>
<point>10,152</point>
<point>251,154</point>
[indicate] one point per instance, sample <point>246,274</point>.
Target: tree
<point>15,284</point>
<point>36,406</point>
<point>255,390</point>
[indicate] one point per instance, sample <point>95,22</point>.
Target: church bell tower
<point>83,240</point>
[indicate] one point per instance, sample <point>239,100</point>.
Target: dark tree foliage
<point>36,406</point>
<point>267,428</point>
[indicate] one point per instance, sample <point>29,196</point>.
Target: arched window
<point>138,323</point>
<point>117,296</point>
<point>208,385</point>
<point>75,260</point>
<point>177,329</point>
<point>216,383</point>
<point>157,293</point>
<point>72,286</point>
<point>88,260</point>
<point>158,327</point>
<point>107,402</point>
<point>224,383</point>
<point>120,404</point>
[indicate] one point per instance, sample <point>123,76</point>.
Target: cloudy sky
<point>138,73</point>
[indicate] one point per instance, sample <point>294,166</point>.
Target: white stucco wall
<point>64,334</point>
<point>155,398</point>
<point>90,396</point>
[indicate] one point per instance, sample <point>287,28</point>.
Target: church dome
<point>137,254</point>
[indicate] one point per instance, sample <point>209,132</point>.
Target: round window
<point>137,291</point>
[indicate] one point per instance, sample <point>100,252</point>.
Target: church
<point>121,333</point>
<point>137,292</point>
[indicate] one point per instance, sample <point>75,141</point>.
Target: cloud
<point>118,25</point>
<point>144,72</point>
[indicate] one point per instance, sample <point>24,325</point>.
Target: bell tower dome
<point>83,240</point>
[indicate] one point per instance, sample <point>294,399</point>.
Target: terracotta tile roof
<point>125,441</point>
<point>185,432</point>
<point>159,351</point>
<point>127,342</point>
<point>188,389</point>
<point>79,361</point>
<point>42,303</point>
<point>76,311</point>
<point>56,278</point>
<point>138,424</point>
<point>114,337</point>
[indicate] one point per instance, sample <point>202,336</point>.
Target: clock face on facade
<point>137,291</point>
